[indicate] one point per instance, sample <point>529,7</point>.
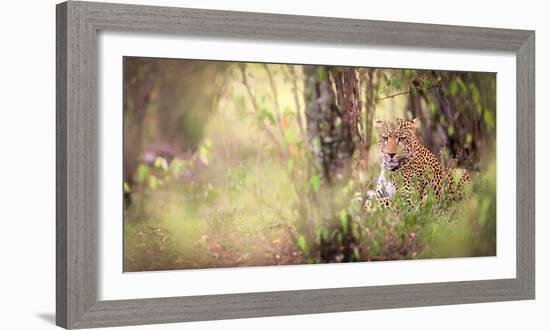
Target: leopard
<point>408,166</point>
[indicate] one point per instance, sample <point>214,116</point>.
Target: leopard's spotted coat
<point>404,159</point>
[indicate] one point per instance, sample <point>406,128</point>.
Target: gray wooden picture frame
<point>78,24</point>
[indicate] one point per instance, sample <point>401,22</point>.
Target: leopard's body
<point>409,166</point>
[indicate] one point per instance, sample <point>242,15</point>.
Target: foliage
<point>246,187</point>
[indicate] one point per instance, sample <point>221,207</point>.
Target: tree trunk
<point>459,117</point>
<point>329,132</point>
<point>369,118</point>
<point>137,95</point>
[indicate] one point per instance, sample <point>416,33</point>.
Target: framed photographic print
<point>215,164</point>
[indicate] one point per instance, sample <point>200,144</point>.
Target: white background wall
<point>27,163</point>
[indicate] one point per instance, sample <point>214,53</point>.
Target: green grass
<point>251,215</point>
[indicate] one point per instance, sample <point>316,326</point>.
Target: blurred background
<point>247,164</point>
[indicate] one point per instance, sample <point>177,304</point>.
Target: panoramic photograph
<point>232,164</point>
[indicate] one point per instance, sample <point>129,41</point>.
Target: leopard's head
<point>396,141</point>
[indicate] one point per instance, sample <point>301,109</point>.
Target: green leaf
<point>126,187</point>
<point>425,84</point>
<point>450,130</point>
<point>290,137</point>
<point>372,140</point>
<point>287,111</point>
<point>315,182</point>
<point>453,88</point>
<point>386,79</point>
<point>176,167</point>
<point>263,114</point>
<point>290,165</point>
<point>161,163</point>
<point>344,221</point>
<point>324,234</point>
<point>396,83</point>
<point>141,173</point>
<point>204,155</point>
<point>317,143</point>
<point>469,139</point>
<point>302,245</point>
<point>431,108</point>
<point>475,97</point>
<point>488,118</point>
<point>153,182</point>
<point>463,88</point>
<point>321,73</point>
<point>338,122</point>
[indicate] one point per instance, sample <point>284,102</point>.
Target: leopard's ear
<point>415,123</point>
<point>378,123</point>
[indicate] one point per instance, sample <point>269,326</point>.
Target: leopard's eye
<point>384,137</point>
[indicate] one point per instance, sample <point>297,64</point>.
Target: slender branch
<point>275,99</point>
<point>219,95</point>
<point>370,103</point>
<point>393,95</point>
<point>294,78</point>
<point>406,92</point>
<point>266,128</point>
